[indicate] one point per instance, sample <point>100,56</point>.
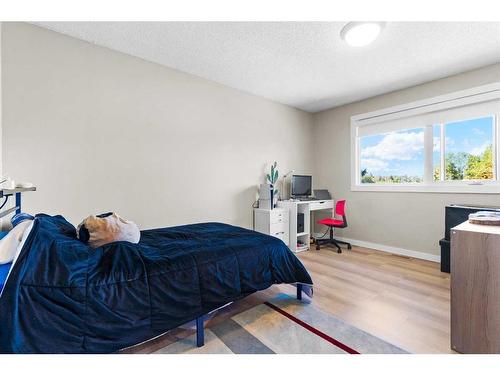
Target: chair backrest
<point>340,211</point>
<point>340,208</point>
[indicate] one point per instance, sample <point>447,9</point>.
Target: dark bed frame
<point>200,321</point>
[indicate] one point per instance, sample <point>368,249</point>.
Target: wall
<point>1,89</point>
<point>97,130</point>
<point>409,221</point>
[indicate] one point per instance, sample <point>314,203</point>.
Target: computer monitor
<point>301,186</point>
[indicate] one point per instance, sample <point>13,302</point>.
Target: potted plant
<point>273,178</point>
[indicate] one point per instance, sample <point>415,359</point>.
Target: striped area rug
<point>283,326</point>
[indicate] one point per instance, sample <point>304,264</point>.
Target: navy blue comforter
<point>64,297</point>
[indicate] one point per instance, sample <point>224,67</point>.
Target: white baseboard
<point>389,249</point>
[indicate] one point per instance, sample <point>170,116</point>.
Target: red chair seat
<point>331,222</point>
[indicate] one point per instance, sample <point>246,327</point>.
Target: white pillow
<point>103,230</point>
<point>10,243</point>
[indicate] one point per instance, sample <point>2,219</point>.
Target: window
<point>396,157</point>
<point>444,144</point>
<point>468,150</point>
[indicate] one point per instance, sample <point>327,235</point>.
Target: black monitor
<point>301,186</point>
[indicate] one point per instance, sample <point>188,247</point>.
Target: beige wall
<point>412,221</point>
<point>97,130</point>
<point>1,153</point>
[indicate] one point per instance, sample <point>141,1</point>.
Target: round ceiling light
<point>359,34</point>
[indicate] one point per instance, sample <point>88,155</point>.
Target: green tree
<point>367,178</point>
<point>456,162</point>
<point>437,173</point>
<point>480,167</point>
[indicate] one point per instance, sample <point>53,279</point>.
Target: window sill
<point>487,188</point>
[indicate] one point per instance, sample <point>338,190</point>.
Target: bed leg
<point>200,333</point>
<point>299,292</point>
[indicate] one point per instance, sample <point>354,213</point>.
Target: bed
<point>64,297</point>
<point>4,268</point>
<point>4,271</point>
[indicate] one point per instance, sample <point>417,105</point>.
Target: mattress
<point>65,297</point>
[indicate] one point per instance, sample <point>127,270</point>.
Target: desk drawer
<point>280,230</point>
<point>320,205</point>
<point>278,216</point>
<point>284,238</point>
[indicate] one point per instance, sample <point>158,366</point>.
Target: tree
<point>480,167</point>
<point>367,178</point>
<point>437,173</point>
<point>456,162</point>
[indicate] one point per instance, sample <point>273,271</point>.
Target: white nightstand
<point>273,222</point>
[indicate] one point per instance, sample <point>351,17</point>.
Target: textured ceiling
<point>301,64</point>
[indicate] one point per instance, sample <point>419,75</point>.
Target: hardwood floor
<point>404,301</point>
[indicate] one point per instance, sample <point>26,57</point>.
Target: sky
<point>402,153</point>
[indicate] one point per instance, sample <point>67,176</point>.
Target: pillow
<point>10,243</point>
<point>98,230</point>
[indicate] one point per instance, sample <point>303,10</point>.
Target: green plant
<point>273,178</point>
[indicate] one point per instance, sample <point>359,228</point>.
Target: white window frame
<point>449,101</point>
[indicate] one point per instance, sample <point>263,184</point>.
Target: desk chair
<point>334,223</point>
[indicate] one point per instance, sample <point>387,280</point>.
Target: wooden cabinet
<point>475,288</point>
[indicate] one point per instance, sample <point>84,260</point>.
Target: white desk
<point>305,207</point>
<point>272,222</point>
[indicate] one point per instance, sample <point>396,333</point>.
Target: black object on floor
<point>456,214</point>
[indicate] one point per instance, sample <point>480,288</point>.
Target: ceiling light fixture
<point>359,34</point>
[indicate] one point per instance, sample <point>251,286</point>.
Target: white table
<point>306,207</point>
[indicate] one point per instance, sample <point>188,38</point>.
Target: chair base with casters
<point>334,223</point>
<point>332,241</point>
